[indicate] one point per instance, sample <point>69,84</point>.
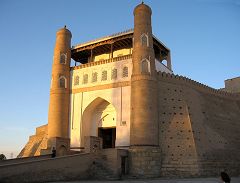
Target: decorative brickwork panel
<point>94,77</point>
<point>125,72</point>
<point>104,75</point>
<point>111,73</point>
<point>114,74</point>
<point>85,78</point>
<point>76,80</point>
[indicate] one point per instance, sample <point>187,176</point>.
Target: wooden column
<point>111,56</point>
<point>91,58</point>
<point>169,63</point>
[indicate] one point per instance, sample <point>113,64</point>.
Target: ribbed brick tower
<point>58,116</point>
<point>144,112</point>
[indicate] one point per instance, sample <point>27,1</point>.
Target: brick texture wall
<point>198,128</point>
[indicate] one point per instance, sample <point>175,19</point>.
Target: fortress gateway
<point>124,107</point>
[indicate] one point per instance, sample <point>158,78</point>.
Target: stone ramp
<point>103,164</point>
<point>72,167</point>
<point>24,160</point>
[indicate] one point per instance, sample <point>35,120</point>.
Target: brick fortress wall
<point>198,128</point>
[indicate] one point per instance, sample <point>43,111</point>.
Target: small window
<point>104,75</point>
<point>63,58</point>
<point>125,72</point>
<point>145,66</point>
<point>94,77</point>
<point>114,74</point>
<point>76,80</point>
<point>144,40</point>
<point>62,82</point>
<point>85,79</point>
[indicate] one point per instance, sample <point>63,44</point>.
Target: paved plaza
<point>193,180</point>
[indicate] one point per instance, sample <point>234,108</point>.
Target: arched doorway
<point>62,151</point>
<point>99,120</point>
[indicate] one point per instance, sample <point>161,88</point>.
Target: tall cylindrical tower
<point>144,113</point>
<point>58,116</point>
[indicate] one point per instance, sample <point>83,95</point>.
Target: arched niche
<point>145,66</point>
<point>62,82</point>
<point>99,117</point>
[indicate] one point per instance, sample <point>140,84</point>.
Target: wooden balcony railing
<point>100,62</point>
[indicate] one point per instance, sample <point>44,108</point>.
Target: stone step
<point>101,171</point>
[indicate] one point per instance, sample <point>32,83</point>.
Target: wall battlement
<point>162,76</point>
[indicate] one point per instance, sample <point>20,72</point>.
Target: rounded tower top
<point>142,8</point>
<point>64,30</point>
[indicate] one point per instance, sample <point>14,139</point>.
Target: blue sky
<point>203,36</point>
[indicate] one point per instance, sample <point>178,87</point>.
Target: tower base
<point>61,145</point>
<point>144,161</point>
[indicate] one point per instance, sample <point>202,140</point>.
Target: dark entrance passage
<point>124,167</point>
<point>108,135</point>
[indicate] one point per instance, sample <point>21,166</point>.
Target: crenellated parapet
<point>176,79</point>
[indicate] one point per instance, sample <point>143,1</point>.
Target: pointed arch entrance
<point>99,120</point>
